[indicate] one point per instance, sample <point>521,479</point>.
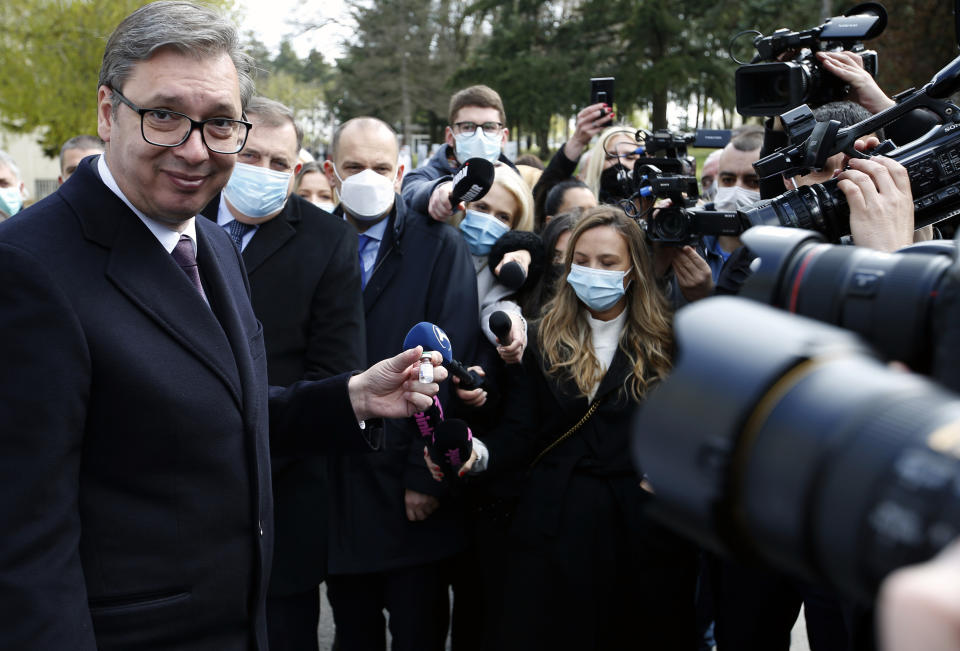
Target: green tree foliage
<point>50,53</point>
<point>396,67</point>
<point>919,40</point>
<point>303,84</point>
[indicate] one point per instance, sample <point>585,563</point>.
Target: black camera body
<point>679,224</point>
<point>773,87</point>
<point>932,162</point>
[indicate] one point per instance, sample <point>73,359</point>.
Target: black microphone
<point>500,325</point>
<point>473,181</point>
<point>452,446</point>
<point>512,275</point>
<point>428,420</point>
<point>431,337</point>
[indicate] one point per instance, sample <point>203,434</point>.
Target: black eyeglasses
<point>489,128</point>
<point>165,128</point>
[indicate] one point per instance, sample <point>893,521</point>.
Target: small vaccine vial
<point>426,368</point>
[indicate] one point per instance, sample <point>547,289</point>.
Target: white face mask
<point>367,196</point>
<point>735,198</point>
<point>325,205</point>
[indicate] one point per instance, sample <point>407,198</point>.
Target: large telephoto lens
<point>887,298</point>
<point>811,455</point>
<point>820,207</point>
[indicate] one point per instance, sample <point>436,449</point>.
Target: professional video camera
<point>777,86</point>
<point>664,170</point>
<point>932,161</point>
<point>680,223</point>
<point>809,454</point>
<point>665,150</point>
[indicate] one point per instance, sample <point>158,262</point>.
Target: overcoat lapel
<point>149,277</point>
<point>270,237</point>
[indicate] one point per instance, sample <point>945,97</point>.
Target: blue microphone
<point>431,337</point>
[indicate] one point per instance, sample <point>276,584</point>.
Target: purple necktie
<point>187,259</point>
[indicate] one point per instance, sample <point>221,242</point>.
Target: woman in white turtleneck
<point>588,569</point>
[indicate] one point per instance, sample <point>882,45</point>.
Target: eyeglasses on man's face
<point>165,128</point>
<point>489,128</point>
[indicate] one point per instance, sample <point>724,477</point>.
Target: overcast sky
<point>270,21</point>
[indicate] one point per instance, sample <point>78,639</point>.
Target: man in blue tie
<point>416,269</point>
<point>136,420</point>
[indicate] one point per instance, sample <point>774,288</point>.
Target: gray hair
<point>274,114</point>
<point>80,142</point>
<point>7,160</point>
<point>183,26</point>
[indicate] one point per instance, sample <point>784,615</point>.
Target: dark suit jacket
<point>135,461</point>
<point>423,272</point>
<point>305,288</point>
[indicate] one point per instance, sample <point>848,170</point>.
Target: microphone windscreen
<point>473,181</point>
<point>500,325</point>
<point>431,337</point>
<point>512,275</point>
<point>452,445</point>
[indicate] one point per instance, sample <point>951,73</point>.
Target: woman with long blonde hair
<point>588,570</point>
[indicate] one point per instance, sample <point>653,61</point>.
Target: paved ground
<point>325,631</point>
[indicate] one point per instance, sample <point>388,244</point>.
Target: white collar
<point>167,237</point>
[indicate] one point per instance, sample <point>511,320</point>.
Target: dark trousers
<point>756,608</point>
<point>415,597</point>
<point>292,621</point>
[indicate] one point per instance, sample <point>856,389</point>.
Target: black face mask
<point>615,184</point>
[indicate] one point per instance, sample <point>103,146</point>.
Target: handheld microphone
<point>428,420</point>
<point>500,325</point>
<point>453,444</point>
<point>431,337</point>
<point>512,275</point>
<point>473,181</point>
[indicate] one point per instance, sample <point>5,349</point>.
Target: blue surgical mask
<point>477,145</point>
<point>481,231</point>
<point>11,201</point>
<point>599,289</point>
<point>257,191</point>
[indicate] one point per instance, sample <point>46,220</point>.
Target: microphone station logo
<point>442,339</point>
<point>462,174</point>
<point>474,192</point>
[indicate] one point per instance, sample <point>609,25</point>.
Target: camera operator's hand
<point>694,277</point>
<point>848,66</point>
<point>590,122</point>
<point>693,274</point>
<point>439,206</point>
<point>919,606</point>
<point>881,203</point>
